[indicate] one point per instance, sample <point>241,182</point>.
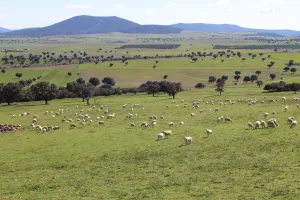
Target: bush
<point>200,85</point>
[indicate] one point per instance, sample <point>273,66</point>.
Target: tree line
<point>26,91</point>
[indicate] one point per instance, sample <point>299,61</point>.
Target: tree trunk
<point>153,94</point>
<point>88,101</point>
<point>46,102</point>
<point>173,96</point>
<point>82,99</point>
<point>220,93</point>
<point>8,103</point>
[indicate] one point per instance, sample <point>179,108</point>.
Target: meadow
<point>116,161</point>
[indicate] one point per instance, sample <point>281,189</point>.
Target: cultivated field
<point>116,161</point>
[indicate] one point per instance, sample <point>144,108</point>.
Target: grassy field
<point>116,161</point>
<point>119,162</point>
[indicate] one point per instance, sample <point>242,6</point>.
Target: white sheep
<point>286,108</point>
<point>181,123</point>
<point>284,99</point>
<point>167,133</point>
<point>227,119</point>
<point>216,109</point>
<point>153,124</point>
<point>111,116</point>
<point>257,124</point>
<point>290,119</point>
<point>144,124</point>
<point>188,140</point>
<point>266,115</point>
<point>263,124</point>
<point>250,125</point>
<point>162,117</point>
<point>293,124</point>
<point>132,125</point>
<point>101,123</point>
<point>160,136</point>
<point>208,132</point>
<point>193,114</point>
<point>34,121</point>
<point>171,124</point>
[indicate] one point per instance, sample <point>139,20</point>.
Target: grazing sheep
<point>271,101</point>
<point>272,123</point>
<point>167,133</point>
<point>188,140</point>
<point>144,125</point>
<point>293,124</point>
<point>153,124</point>
<point>286,108</point>
<point>263,124</point>
<point>160,136</point>
<point>171,124</point>
<point>101,123</point>
<point>266,115</point>
<point>132,125</point>
<point>34,121</point>
<point>14,116</point>
<point>73,126</point>
<point>290,119</point>
<point>181,123</point>
<point>216,109</point>
<point>284,99</point>
<point>257,124</point>
<point>193,114</point>
<point>162,117</point>
<point>105,112</point>
<point>250,125</point>
<point>298,106</point>
<point>208,132</point>
<point>83,124</point>
<point>227,119</point>
<point>273,112</point>
<point>111,116</point>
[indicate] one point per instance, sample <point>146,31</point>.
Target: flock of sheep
<point>84,119</point>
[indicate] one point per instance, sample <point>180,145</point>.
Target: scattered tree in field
<point>126,63</point>
<point>253,78</point>
<point>80,81</point>
<point>19,75</point>
<point>94,81</point>
<point>237,72</point>
<point>170,88</point>
<point>154,67</point>
<point>220,86</point>
<point>153,89</point>
<point>272,76</point>
<point>44,91</point>
<point>243,59</point>
<point>293,70</point>
<point>247,79</point>
<point>111,64</point>
<point>212,79</point>
<point>222,61</point>
<point>269,56</point>
<point>3,71</point>
<point>261,54</point>
<point>286,69</point>
<point>263,59</point>
<point>258,72</point>
<point>194,59</point>
<point>69,74</point>
<point>200,85</point>
<point>237,77</point>
<point>275,50</point>
<point>166,76</point>
<point>224,77</point>
<point>109,81</point>
<point>291,62</point>
<point>11,92</point>
<point>295,87</point>
<point>259,83</point>
<point>215,56</point>
<point>156,61</point>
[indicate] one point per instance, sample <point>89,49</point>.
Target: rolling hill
<point>93,25</point>
<point>4,30</point>
<point>201,27</point>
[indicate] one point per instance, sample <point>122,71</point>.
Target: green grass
<point>119,162</point>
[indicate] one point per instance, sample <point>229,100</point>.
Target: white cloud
<point>271,2</point>
<point>219,3</point>
<point>119,6</point>
<point>170,4</point>
<point>148,11</point>
<point>76,6</point>
<point>267,10</point>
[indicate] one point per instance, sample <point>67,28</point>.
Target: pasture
<point>117,161</point>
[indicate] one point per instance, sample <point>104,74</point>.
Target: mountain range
<point>3,30</point>
<point>96,25</point>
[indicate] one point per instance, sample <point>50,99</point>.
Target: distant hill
<point>3,30</point>
<point>153,29</point>
<point>201,27</point>
<point>93,25</point>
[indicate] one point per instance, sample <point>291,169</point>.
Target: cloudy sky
<point>267,14</point>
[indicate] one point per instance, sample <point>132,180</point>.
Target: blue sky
<point>267,14</point>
